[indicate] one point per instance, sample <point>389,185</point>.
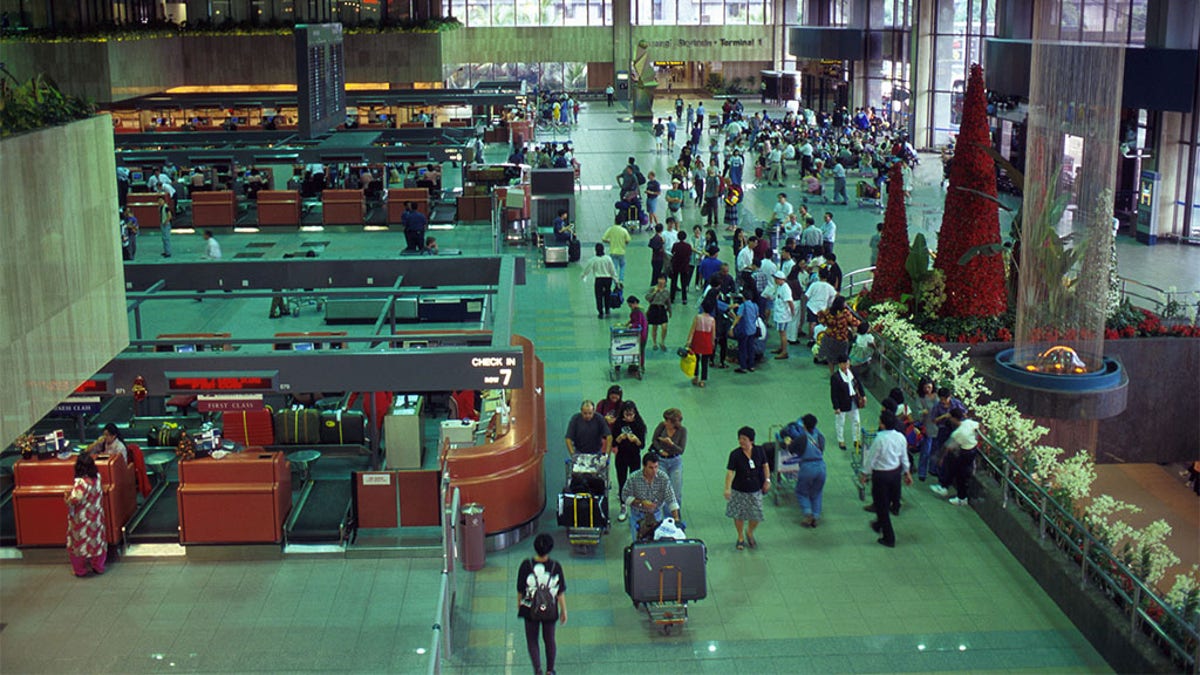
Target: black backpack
<point>544,606</point>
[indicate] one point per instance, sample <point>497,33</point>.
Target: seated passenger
<point>109,443</point>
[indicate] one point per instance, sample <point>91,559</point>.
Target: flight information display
<point>320,78</point>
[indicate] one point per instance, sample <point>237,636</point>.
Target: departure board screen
<point>320,78</point>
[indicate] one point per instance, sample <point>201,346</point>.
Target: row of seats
<point>279,207</point>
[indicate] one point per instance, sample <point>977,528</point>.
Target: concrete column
<point>1176,25</point>
<point>921,71</point>
<point>1014,19</point>
<point>622,12</point>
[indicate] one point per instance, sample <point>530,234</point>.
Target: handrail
<point>850,287</point>
<point>1098,565</point>
<point>440,644</point>
<point>1158,297</point>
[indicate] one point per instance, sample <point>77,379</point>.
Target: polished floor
<point>948,598</point>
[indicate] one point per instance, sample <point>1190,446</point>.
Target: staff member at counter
<point>109,443</point>
<point>588,432</point>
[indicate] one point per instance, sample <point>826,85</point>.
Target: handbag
<point>687,363</point>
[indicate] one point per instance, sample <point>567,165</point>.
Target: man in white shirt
<point>775,166</point>
<point>829,232</point>
<point>781,210</point>
<point>820,296</point>
<point>745,258</point>
<point>959,462</point>
<point>670,235</point>
<point>885,463</point>
<point>839,183</point>
<point>212,250</point>
<point>782,308</point>
<point>805,151</point>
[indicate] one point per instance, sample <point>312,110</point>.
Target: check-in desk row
<point>280,207</point>
<point>240,499</point>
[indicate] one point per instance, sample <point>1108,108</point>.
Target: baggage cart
<point>662,577</point>
<point>625,349</point>
<point>856,462</point>
<point>787,465</point>
<point>583,503</point>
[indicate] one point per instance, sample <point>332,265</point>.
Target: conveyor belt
<point>321,515</point>
<point>8,525</point>
<point>161,522</point>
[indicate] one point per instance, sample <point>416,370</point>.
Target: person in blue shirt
<point>709,264</point>
<point>745,330</point>
<point>810,480</point>
<point>671,130</point>
<point>415,224</point>
<point>563,232</point>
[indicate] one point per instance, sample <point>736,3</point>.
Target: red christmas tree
<point>969,219</point>
<point>891,276</point>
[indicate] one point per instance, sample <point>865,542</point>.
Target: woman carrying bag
<point>846,394</point>
<point>541,601</point>
<point>700,340</point>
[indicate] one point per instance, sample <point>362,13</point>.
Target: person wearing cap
<point>782,309</point>
<point>675,197</point>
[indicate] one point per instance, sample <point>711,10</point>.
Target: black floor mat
<point>322,513</point>
<point>161,523</point>
<point>261,244</point>
<point>245,254</point>
<point>8,525</point>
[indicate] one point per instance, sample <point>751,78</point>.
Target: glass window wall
<point>702,12</point>
<point>492,13</point>
<point>959,28</point>
<point>571,76</point>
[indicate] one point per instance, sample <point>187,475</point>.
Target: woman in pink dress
<point>85,519</point>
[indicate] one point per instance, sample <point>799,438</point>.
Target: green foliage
<point>37,103</point>
<point>968,328</point>
<point>714,83</point>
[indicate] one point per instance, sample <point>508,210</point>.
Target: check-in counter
<point>505,475</point>
<point>279,207</point>
<point>40,489</point>
<point>241,499</point>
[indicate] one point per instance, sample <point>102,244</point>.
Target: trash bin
<point>471,537</point>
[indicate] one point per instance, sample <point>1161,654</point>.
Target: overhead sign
<point>97,384</point>
<point>79,405</point>
<point>497,372</point>
<point>229,402</point>
<point>234,382</point>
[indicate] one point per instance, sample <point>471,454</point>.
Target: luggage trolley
<point>787,465</point>
<point>663,576</point>
<point>856,462</point>
<point>625,349</point>
<point>583,503</point>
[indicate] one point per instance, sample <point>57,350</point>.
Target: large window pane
<point>689,13</point>
<point>528,12</point>
<point>575,13</point>
<point>712,12</point>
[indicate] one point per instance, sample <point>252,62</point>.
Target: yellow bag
<point>687,363</point>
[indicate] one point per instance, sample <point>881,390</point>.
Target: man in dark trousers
<point>415,225</point>
<point>885,464</point>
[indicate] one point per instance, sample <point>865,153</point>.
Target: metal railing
<point>1100,569</point>
<point>1158,299</point>
<point>439,642</point>
<point>857,280</point>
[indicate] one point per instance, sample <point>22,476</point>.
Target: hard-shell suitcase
<point>249,427</point>
<point>573,250</point>
<point>557,256</point>
<point>343,427</point>
<point>582,510</point>
<point>298,427</point>
<point>668,570</point>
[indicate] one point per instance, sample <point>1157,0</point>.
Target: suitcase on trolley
<point>582,510</point>
<point>666,570</point>
<point>343,427</point>
<point>298,427</point>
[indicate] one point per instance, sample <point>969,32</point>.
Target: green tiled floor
<point>948,598</point>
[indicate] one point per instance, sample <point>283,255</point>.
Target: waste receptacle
<point>471,537</point>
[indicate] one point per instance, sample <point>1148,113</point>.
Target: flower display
<point>891,277</point>
<point>970,219</point>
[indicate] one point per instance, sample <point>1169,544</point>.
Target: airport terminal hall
<point>600,336</point>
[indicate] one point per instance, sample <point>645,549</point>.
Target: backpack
<point>543,607</point>
<point>912,434</point>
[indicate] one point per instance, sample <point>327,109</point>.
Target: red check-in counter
<point>241,499</point>
<point>40,489</point>
<point>505,475</point>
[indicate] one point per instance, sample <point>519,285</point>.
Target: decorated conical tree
<point>891,277</point>
<point>971,218</point>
